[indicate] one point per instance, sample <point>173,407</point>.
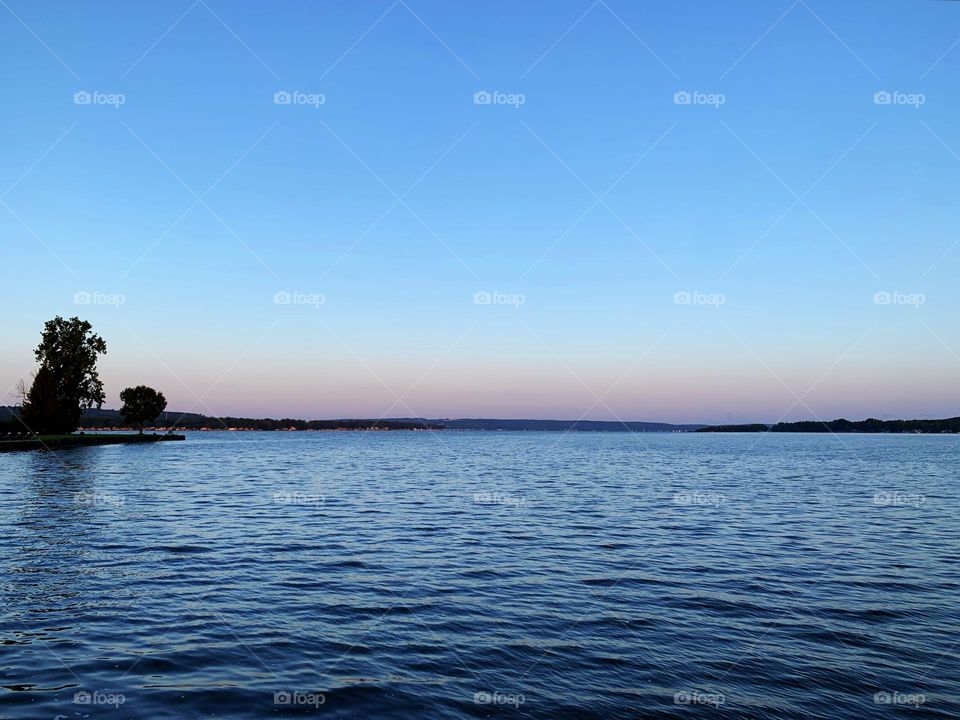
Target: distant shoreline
<point>946,426</point>
<point>98,419</point>
<point>111,420</point>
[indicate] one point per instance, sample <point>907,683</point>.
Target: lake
<point>466,574</point>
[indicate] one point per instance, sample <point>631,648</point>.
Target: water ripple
<point>460,575</point>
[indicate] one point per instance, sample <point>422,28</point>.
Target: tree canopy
<point>141,404</point>
<point>66,382</point>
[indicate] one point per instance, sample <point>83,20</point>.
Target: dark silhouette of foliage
<point>10,423</point>
<point>870,425</point>
<point>141,404</point>
<point>42,411</point>
<point>67,381</point>
<point>106,419</point>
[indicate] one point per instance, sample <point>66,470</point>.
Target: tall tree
<point>141,404</point>
<point>67,381</point>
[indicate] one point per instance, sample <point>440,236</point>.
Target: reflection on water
<point>454,575</point>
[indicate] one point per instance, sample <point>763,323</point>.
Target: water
<point>457,575</point>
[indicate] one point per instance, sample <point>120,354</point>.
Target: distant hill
<point>556,425</point>
<point>871,425</point>
<point>96,419</point>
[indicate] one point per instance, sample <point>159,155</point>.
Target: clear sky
<point>644,257</point>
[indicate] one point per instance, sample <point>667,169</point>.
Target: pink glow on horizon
<point>715,395</point>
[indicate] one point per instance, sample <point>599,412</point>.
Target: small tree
<point>141,405</point>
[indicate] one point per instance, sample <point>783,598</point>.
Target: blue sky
<point>173,208</point>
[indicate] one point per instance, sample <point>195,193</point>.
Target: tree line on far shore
<point>66,383</point>
<point>192,421</point>
<point>871,425</point>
